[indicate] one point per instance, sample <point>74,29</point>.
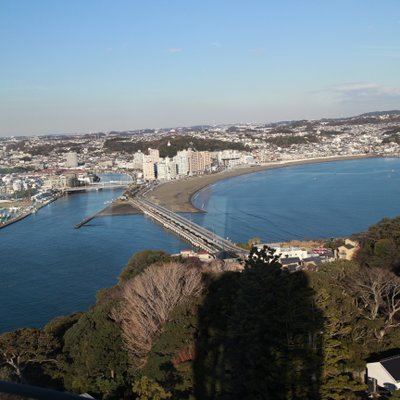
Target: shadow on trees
<point>258,336</point>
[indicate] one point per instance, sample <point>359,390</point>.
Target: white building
<point>149,173</point>
<point>72,160</point>
<point>229,158</point>
<point>138,160</point>
<point>182,162</point>
<point>162,171</point>
<point>17,185</point>
<point>385,373</point>
<point>154,155</point>
<point>172,168</point>
<point>286,252</point>
<point>166,169</point>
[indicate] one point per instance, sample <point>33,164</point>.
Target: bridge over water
<point>195,234</point>
<point>99,186</point>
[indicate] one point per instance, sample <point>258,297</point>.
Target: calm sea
<point>48,268</point>
<point>312,201</point>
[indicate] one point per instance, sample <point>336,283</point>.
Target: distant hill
<point>380,113</point>
<point>365,118</point>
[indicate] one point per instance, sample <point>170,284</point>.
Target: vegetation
<point>15,170</point>
<point>392,138</point>
<point>25,194</point>
<point>94,358</point>
<point>146,389</point>
<point>141,260</point>
<point>147,302</point>
<point>380,245</point>
<point>174,329</point>
<point>170,145</point>
<point>256,336</point>
<point>25,351</point>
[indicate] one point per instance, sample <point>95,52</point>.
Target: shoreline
<point>178,195</point>
<point>27,213</point>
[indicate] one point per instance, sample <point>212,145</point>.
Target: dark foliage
<point>18,146</point>
<point>176,143</point>
<point>26,353</point>
<point>263,333</point>
<point>94,358</point>
<point>171,357</point>
<point>392,138</point>
<point>380,245</point>
<point>257,335</point>
<point>141,260</point>
<point>15,170</point>
<point>289,140</point>
<point>58,326</point>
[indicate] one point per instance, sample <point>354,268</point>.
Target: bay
<point>48,268</point>
<point>324,200</point>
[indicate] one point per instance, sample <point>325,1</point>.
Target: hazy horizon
<point>81,132</point>
<point>79,67</point>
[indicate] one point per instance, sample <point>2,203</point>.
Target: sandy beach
<point>118,207</point>
<point>177,195</point>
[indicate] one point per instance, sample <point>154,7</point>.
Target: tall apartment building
<point>172,168</point>
<point>154,154</point>
<point>166,169</point>
<point>229,158</point>
<point>72,160</point>
<point>199,162</point>
<point>182,162</point>
<point>162,171</point>
<point>149,172</point>
<point>138,160</point>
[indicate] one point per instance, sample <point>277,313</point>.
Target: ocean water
<point>48,268</point>
<point>323,200</point>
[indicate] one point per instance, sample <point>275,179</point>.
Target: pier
<point>191,232</point>
<point>85,221</point>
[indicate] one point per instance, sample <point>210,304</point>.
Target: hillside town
<point>35,170</point>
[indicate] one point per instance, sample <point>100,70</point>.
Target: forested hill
<point>170,145</point>
<point>180,329</point>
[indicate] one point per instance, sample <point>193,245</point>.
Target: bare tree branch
<point>148,300</point>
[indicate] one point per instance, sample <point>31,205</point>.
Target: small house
<point>385,373</point>
<point>291,263</point>
<point>347,251</point>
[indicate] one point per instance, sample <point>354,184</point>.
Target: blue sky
<point>94,65</point>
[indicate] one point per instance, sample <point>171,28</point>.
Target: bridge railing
<point>218,242</point>
<point>191,224</point>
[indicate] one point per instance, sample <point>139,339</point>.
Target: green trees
<point>94,358</point>
<point>380,245</point>
<point>258,335</point>
<point>146,389</point>
<point>171,330</point>
<point>340,339</point>
<point>176,143</point>
<point>26,349</point>
<point>141,260</point>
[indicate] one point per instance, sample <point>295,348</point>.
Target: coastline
<point>177,195</point>
<point>26,214</point>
